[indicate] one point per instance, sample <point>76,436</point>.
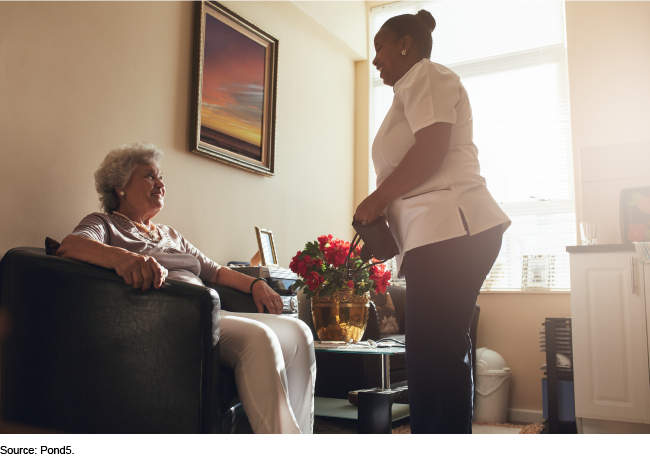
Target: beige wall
<point>509,324</point>
<point>343,21</point>
<point>362,131</point>
<point>362,114</point>
<point>80,78</point>
<point>608,47</point>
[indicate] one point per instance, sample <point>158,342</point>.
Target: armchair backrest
<point>87,353</point>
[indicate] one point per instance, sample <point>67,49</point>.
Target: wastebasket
<point>492,386</point>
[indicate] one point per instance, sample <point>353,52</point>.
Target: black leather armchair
<point>86,353</point>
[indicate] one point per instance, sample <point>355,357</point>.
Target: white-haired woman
<point>272,356</point>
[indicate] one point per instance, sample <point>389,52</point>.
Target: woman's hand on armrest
<point>139,271</point>
<point>263,295</point>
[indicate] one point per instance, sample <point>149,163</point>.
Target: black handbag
<point>378,241</point>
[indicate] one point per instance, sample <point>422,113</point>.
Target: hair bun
<point>428,20</point>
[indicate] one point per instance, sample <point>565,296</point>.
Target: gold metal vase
<point>340,316</point>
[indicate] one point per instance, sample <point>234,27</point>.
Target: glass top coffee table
<point>385,353</point>
<point>375,412</point>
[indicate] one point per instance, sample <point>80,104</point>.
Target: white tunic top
<point>431,93</point>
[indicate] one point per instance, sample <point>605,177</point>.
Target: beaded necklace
<point>152,234</point>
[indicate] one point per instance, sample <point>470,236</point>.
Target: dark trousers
<point>443,281</point>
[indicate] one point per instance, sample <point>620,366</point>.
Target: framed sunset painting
<point>235,90</point>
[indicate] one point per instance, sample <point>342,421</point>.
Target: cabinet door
<point>609,337</point>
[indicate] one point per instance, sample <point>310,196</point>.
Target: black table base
<point>376,409</point>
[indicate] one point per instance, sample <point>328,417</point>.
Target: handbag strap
<point>353,245</point>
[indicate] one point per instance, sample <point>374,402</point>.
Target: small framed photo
<point>235,81</point>
<point>266,247</point>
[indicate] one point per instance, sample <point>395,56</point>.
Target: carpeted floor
<point>489,428</point>
<point>327,425</point>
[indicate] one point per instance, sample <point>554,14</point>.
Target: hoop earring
<point>403,52</point>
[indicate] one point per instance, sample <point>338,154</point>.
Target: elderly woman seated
<point>272,356</point>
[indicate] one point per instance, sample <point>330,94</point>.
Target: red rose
<point>323,241</point>
<point>350,284</point>
<point>293,266</point>
<point>314,280</point>
<point>301,267</point>
<point>337,252</point>
<point>381,277</point>
<point>382,281</point>
<point>376,269</point>
<point>311,263</point>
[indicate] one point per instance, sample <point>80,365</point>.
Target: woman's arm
<point>420,162</point>
<point>263,295</point>
<point>140,271</point>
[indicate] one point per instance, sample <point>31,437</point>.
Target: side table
<point>375,405</point>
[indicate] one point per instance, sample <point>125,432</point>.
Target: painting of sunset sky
<point>232,98</point>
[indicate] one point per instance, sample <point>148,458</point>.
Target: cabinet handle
<point>633,276</point>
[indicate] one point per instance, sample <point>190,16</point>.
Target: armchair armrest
<point>87,353</point>
<point>233,300</point>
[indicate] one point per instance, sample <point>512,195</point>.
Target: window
<point>511,58</point>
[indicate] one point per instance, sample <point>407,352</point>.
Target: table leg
<point>376,407</point>
<point>385,371</point>
<point>375,412</point>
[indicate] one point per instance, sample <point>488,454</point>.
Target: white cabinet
<point>610,340</point>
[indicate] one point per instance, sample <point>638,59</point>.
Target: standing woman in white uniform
<point>446,224</point>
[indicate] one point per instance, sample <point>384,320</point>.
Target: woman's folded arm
<point>140,271</point>
<point>84,249</point>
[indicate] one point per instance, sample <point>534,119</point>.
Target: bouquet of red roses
<point>328,264</point>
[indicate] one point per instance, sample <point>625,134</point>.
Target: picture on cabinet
<point>635,214</point>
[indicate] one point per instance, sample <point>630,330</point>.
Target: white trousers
<point>275,370</point>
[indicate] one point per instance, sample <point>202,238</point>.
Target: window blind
<point>511,58</point>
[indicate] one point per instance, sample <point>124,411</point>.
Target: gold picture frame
<point>235,87</point>
<point>266,247</point>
